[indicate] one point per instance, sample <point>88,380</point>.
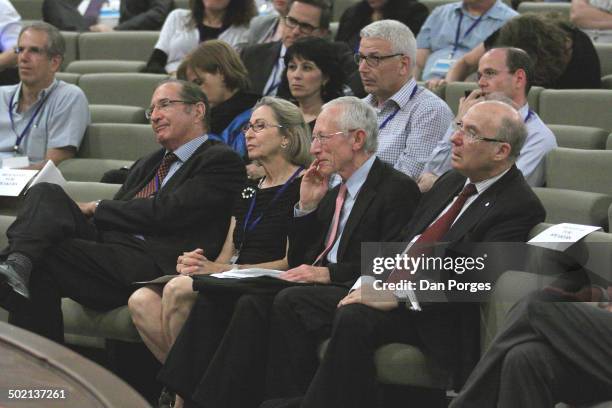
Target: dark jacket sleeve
<point>150,14</point>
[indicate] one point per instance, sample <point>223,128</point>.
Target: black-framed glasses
<point>163,105</point>
<point>305,28</point>
<point>258,126</point>
<point>373,60</point>
<point>323,138</point>
<point>472,135</point>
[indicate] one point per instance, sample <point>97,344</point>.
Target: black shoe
<point>166,399</point>
<point>10,275</point>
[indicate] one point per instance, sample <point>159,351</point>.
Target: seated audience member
<point>452,30</point>
<point>505,71</point>
<point>265,62</point>
<point>491,202</point>
<point>10,25</point>
<point>563,56</point>
<point>133,15</point>
<point>205,364</point>
<point>279,139</point>
<point>410,12</point>
<point>183,30</point>
<point>178,197</point>
<point>313,76</point>
<point>44,118</point>
<point>268,27</point>
<point>217,69</point>
<point>551,349</point>
<point>411,119</point>
<point>594,17</point>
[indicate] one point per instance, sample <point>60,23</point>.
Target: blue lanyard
<point>27,128</point>
<point>249,227</point>
<point>529,115</point>
<point>391,116</point>
<point>469,30</point>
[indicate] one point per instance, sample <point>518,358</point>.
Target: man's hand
<point>426,181</point>
<point>377,299</point>
<point>466,103</point>
<point>307,273</point>
<point>195,263</point>
<point>88,209</point>
<point>313,188</point>
<point>100,28</point>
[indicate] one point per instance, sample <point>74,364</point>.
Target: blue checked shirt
<point>407,140</point>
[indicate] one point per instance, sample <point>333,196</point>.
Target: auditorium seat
<point>606,82</point>
<point>120,141</point>
<point>339,6</point>
<point>605,58</point>
<point>72,52</point>
<point>28,9</point>
<point>184,4</point>
<point>120,88</point>
<point>117,114</point>
<point>90,170</point>
<point>117,45</point>
<point>580,137</point>
<point>609,143</point>
<point>68,77</point>
<point>583,107</point>
<point>578,207</point>
<point>579,169</point>
<point>101,66</point>
<point>432,4</point>
<point>536,7</point>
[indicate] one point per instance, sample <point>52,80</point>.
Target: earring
<point>284,146</point>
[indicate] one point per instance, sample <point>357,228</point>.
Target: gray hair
<point>56,45</point>
<point>357,114</point>
<point>293,128</point>
<point>192,94</point>
<point>397,34</point>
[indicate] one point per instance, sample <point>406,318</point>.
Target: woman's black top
<point>410,12</point>
<point>268,240</point>
<point>222,114</point>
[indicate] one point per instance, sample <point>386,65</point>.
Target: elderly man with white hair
<point>411,120</point>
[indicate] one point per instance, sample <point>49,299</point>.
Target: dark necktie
<point>156,182</point>
<point>334,231</point>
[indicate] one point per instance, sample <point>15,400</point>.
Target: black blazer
<point>505,212</point>
<point>191,211</point>
<point>387,201</point>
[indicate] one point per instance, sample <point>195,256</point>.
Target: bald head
<point>491,138</point>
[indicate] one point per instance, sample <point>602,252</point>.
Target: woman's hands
<point>195,263</point>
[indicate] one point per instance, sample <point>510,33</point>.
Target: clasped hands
<point>195,263</point>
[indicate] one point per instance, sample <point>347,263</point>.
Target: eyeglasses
<point>31,50</point>
<point>489,74</point>
<point>258,126</point>
<point>472,135</point>
<point>163,105</point>
<point>373,60</point>
<point>305,28</point>
<point>324,138</point>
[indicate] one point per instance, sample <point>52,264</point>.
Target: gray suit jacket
<point>260,27</point>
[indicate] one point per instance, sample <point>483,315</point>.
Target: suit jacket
<point>192,210</point>
<point>505,212</point>
<point>259,27</point>
<point>386,201</point>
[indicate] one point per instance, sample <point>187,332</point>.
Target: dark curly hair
<point>323,54</point>
<point>544,39</point>
<point>238,12</point>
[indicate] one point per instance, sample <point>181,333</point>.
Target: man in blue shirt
<point>454,29</point>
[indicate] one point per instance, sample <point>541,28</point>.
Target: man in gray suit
<point>269,27</point>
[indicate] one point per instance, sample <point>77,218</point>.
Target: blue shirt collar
<point>496,11</point>
<point>185,151</point>
<point>355,182</point>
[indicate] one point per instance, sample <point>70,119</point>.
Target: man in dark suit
<point>306,18</point>
<point>371,204</point>
<point>178,197</point>
<point>501,207</point>
<point>133,15</point>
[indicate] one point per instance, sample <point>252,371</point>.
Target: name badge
<point>442,66</point>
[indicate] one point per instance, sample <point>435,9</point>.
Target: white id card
<point>442,66</point>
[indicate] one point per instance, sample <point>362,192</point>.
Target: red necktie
<point>334,231</point>
<point>156,182</point>
<point>436,231</point>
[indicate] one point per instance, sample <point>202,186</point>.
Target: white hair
<point>397,34</point>
<point>357,114</point>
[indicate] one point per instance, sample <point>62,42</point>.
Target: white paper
<point>18,162</point>
<point>562,236</point>
<point>49,174</point>
<point>13,181</point>
<point>248,273</point>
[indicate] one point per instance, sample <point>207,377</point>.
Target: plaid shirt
<point>409,137</point>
